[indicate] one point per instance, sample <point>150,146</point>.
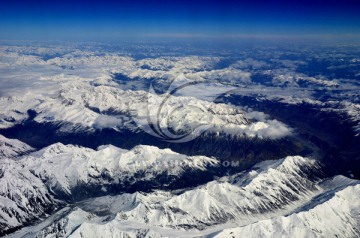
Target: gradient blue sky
<point>96,20</point>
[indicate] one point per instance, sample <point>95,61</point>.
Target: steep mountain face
<point>77,172</point>
<point>291,190</point>
<point>239,198</point>
<point>336,216</point>
<point>271,194</point>
<point>37,184</point>
<point>24,198</point>
<point>13,148</point>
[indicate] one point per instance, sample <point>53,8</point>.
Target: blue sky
<point>105,19</point>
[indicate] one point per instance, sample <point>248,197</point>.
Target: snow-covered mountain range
<point>336,216</point>
<point>32,185</point>
<point>271,197</point>
<point>79,103</point>
<point>264,140</point>
<point>24,197</point>
<point>10,148</point>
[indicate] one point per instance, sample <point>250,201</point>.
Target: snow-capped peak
<point>10,148</point>
<point>66,167</point>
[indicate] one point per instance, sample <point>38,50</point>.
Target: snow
<point>23,196</point>
<point>77,88</point>
<point>336,217</point>
<point>65,167</point>
<point>76,101</point>
<point>237,205</point>
<point>26,185</point>
<point>274,197</point>
<point>10,148</point>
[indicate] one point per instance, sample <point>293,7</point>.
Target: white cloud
<point>105,121</point>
